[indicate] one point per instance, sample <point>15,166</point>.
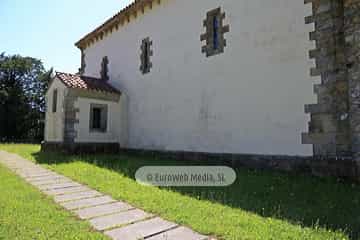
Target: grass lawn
<point>259,205</point>
<point>26,214</point>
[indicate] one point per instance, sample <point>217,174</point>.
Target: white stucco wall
<point>54,122</point>
<point>114,127</point>
<point>248,100</point>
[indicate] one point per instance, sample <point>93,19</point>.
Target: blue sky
<point>48,29</point>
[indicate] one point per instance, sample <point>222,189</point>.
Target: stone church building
<point>274,77</point>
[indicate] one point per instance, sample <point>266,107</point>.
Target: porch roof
<point>85,83</point>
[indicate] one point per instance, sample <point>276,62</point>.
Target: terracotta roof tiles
<point>86,83</point>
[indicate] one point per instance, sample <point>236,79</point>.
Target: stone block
<point>317,108</point>
<point>48,177</point>
<point>49,181</point>
<point>119,219</point>
<point>77,196</point>
<point>103,210</point>
<point>59,185</point>
<point>179,233</point>
<point>318,138</point>
<point>141,230</point>
<point>89,202</point>
<point>61,191</point>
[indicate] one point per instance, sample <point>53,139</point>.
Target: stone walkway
<point>116,219</point>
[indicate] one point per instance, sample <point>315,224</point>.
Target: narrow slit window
<point>215,32</point>
<point>54,101</point>
<point>104,72</point>
<point>146,53</point>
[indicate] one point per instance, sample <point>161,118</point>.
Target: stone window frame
<point>145,56</point>
<point>103,118</point>
<point>104,70</point>
<point>209,23</point>
<point>54,100</point>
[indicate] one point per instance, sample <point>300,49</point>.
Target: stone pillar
<point>352,39</point>
<point>329,125</point>
<point>70,119</point>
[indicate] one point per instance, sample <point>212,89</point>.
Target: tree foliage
<point>23,83</point>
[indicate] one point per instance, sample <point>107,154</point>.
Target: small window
<point>104,70</point>
<point>54,101</point>
<point>214,37</point>
<point>146,53</point>
<point>98,118</point>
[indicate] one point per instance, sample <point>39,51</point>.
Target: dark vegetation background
<point>23,83</point>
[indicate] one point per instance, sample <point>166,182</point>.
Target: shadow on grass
<point>297,198</point>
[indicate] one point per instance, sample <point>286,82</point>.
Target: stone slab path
<point>116,219</point>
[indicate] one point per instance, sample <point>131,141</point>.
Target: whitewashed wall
<point>248,100</point>
<point>114,127</point>
<point>54,122</point>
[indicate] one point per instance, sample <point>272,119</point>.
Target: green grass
<point>260,205</point>
<point>26,214</point>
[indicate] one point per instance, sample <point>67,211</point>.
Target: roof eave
<point>96,94</point>
<point>114,21</point>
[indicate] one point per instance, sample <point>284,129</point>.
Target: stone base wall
<point>80,148</point>
<point>342,168</point>
<point>345,168</point>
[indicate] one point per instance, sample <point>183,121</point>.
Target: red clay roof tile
<point>86,83</point>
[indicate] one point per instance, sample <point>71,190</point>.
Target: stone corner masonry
<point>334,128</point>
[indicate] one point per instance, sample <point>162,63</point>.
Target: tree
<point>23,82</point>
